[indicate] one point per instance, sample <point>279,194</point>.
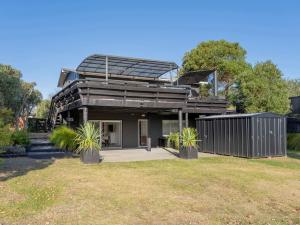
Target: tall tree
<point>228,58</point>
<point>15,94</point>
<point>10,87</point>
<point>42,109</point>
<point>293,87</point>
<point>262,89</point>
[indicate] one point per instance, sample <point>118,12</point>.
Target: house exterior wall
<point>129,122</point>
<point>130,125</point>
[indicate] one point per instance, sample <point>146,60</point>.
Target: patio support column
<point>85,114</point>
<point>215,83</point>
<point>106,69</point>
<point>180,127</point>
<point>186,119</point>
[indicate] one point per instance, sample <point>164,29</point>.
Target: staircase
<point>42,148</point>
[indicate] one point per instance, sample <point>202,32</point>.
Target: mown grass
<point>217,190</point>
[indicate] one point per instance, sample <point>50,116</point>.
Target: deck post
<point>186,120</point>
<point>180,127</point>
<point>85,114</point>
<point>215,83</point>
<point>106,69</point>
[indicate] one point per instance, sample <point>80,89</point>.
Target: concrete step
<point>40,142</point>
<point>39,135</point>
<point>43,148</point>
<point>49,155</point>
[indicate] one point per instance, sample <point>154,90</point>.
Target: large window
<point>170,126</point>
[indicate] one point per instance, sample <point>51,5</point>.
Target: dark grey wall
<point>130,125</point>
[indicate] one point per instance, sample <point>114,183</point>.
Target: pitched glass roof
<point>125,66</point>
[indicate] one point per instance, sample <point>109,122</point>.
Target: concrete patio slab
<point>128,155</point>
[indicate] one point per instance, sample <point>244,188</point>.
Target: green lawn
<point>217,190</point>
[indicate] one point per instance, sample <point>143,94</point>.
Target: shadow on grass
<point>294,154</point>
<point>20,166</point>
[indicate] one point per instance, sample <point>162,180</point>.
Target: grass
<point>217,190</point>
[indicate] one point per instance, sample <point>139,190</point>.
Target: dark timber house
<point>129,99</point>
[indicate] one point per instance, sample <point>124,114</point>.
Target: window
<point>71,77</point>
<point>170,126</point>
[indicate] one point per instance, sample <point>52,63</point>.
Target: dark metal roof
<point>194,77</point>
<point>125,66</point>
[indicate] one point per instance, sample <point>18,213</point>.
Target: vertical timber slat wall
<point>244,135</point>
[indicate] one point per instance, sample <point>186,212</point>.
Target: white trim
<point>139,131</point>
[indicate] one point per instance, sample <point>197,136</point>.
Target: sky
<point>41,37</point>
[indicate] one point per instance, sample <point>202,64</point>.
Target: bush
<point>293,141</point>
<point>5,136</point>
<point>189,137</point>
<point>64,138</point>
<point>20,137</point>
<point>173,140</point>
<point>88,138</point>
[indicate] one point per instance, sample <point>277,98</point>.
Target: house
<point>131,99</point>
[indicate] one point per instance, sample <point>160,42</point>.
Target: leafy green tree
<point>262,89</point>
<point>293,87</point>
<point>228,58</point>
<point>10,88</point>
<point>15,94</point>
<point>43,107</point>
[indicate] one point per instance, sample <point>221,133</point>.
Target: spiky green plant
<point>189,137</point>
<point>88,138</point>
<point>64,138</point>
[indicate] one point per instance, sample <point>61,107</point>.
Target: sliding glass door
<point>111,132</point>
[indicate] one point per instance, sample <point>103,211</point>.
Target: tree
<point>293,87</point>
<point>229,59</point>
<point>15,94</point>
<point>43,108</point>
<point>262,89</point>
<point>10,87</point>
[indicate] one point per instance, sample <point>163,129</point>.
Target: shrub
<point>64,138</point>
<point>88,138</point>
<point>189,137</point>
<point>293,141</point>
<point>173,140</point>
<point>5,136</point>
<point>20,137</point>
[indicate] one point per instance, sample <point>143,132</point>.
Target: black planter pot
<point>188,153</point>
<point>90,156</point>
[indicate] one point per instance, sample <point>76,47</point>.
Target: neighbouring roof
<point>126,66</point>
<point>194,77</point>
<point>260,114</point>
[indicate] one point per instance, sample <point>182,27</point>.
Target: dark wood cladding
<point>129,94</point>
<point>209,105</point>
<point>100,93</point>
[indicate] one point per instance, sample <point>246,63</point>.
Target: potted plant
<point>88,139</point>
<point>189,148</point>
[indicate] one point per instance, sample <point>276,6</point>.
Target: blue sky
<point>41,37</point>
